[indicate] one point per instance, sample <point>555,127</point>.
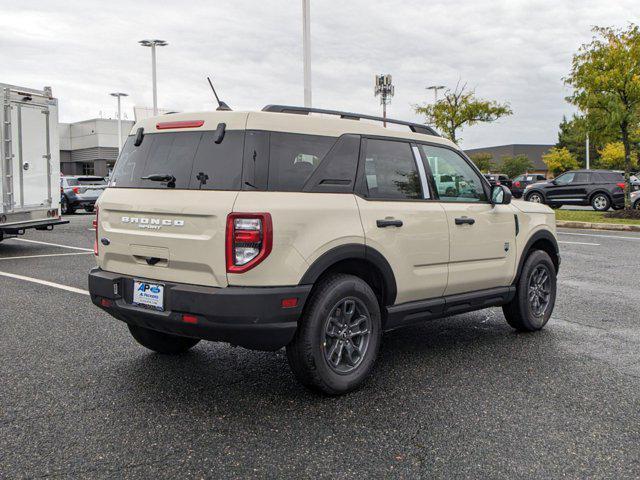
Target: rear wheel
<point>535,298</point>
<point>65,208</point>
<point>600,202</point>
<point>338,338</point>
<point>637,205</point>
<point>161,342</point>
<point>535,197</point>
<point>89,208</point>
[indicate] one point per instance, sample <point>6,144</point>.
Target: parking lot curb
<point>599,226</point>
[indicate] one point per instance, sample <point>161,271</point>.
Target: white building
<point>90,147</point>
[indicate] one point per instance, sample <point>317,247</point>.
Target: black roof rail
<point>414,127</point>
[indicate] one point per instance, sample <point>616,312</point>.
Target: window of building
<point>88,168</point>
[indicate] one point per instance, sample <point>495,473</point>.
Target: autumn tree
<point>559,160</point>
<point>484,161</point>
<point>514,166</point>
<point>460,108</point>
<point>612,157</point>
<point>605,76</point>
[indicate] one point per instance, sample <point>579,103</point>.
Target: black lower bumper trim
<point>252,317</point>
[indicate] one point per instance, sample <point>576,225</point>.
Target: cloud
<point>515,51</point>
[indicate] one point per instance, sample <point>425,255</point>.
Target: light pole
<point>435,89</point>
<point>119,95</point>
<point>153,44</point>
<point>385,89</point>
<point>306,50</point>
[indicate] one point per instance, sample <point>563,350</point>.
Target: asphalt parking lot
<point>459,397</point>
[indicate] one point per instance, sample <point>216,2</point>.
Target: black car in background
<point>498,179</point>
<point>522,181</point>
<point>602,189</point>
<point>80,192</point>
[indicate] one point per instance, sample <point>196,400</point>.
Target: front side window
<point>565,178</point>
<point>390,171</point>
<point>456,180</point>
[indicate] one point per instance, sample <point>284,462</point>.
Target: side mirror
<point>500,195</point>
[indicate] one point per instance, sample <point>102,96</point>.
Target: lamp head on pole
<point>153,43</point>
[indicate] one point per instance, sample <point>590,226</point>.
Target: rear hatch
<point>164,213</point>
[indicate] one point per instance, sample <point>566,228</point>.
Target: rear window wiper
<point>161,177</point>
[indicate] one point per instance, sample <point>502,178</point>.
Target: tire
<point>535,197</point>
<point>523,314</point>
<point>65,208</point>
<point>164,343</point>
<point>316,355</point>
<point>555,206</point>
<point>89,208</point>
<point>637,205</point>
<point>600,202</point>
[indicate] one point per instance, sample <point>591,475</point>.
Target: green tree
<point>612,157</point>
<point>460,108</point>
<point>605,76</point>
<point>514,166</point>
<point>484,161</point>
<point>559,160</point>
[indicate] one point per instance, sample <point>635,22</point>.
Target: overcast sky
<point>511,51</point>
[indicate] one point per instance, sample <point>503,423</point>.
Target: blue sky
<point>512,51</point>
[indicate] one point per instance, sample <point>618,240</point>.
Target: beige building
<point>90,147</point>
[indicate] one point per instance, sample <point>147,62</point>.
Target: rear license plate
<point>148,294</point>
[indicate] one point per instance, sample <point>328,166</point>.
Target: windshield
<point>183,160</point>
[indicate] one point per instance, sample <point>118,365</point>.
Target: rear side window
<point>293,158</point>
<point>192,158</point>
<point>581,177</point>
<point>337,171</point>
<point>609,177</point>
<point>390,171</point>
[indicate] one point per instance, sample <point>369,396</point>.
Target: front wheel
<point>532,306</point>
<point>161,342</point>
<point>535,197</point>
<point>600,202</point>
<point>338,338</point>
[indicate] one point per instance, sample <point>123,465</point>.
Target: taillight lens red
<point>517,184</point>
<point>621,185</point>
<point>180,124</point>
<point>95,227</point>
<point>248,241</point>
<point>76,189</point>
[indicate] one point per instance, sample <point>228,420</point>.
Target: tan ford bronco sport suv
<point>313,230</point>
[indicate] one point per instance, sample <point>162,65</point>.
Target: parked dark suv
<point>522,181</point>
<point>80,192</point>
<point>602,189</point>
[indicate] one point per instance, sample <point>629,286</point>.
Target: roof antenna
<point>221,105</point>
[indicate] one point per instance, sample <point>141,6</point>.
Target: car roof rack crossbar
<point>414,127</point>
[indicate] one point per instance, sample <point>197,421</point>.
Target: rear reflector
<point>182,124</point>
<point>105,302</point>
<point>289,302</point>
<point>186,318</point>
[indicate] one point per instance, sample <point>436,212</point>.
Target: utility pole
<point>435,89</point>
<point>385,89</point>
<point>153,44</point>
<point>587,151</point>
<point>119,95</point>
<point>306,50</point>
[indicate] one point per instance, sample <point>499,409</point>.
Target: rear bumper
<point>251,317</point>
<point>19,228</point>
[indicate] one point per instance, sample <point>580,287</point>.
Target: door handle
<point>463,220</point>
<point>388,223</point>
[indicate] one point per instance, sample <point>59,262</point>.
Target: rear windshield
<point>193,159</point>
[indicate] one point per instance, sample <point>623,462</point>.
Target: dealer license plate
<point>148,294</point>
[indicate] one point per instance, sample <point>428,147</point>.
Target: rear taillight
<point>95,227</point>
<point>248,240</point>
<point>621,185</point>
<point>516,184</point>
<point>76,189</point>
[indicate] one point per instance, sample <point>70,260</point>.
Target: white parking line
<point>581,243</point>
<point>44,282</point>
<point>594,235</point>
<point>46,255</point>
<point>52,244</point>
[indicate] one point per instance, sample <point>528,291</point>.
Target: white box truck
<point>29,160</point>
